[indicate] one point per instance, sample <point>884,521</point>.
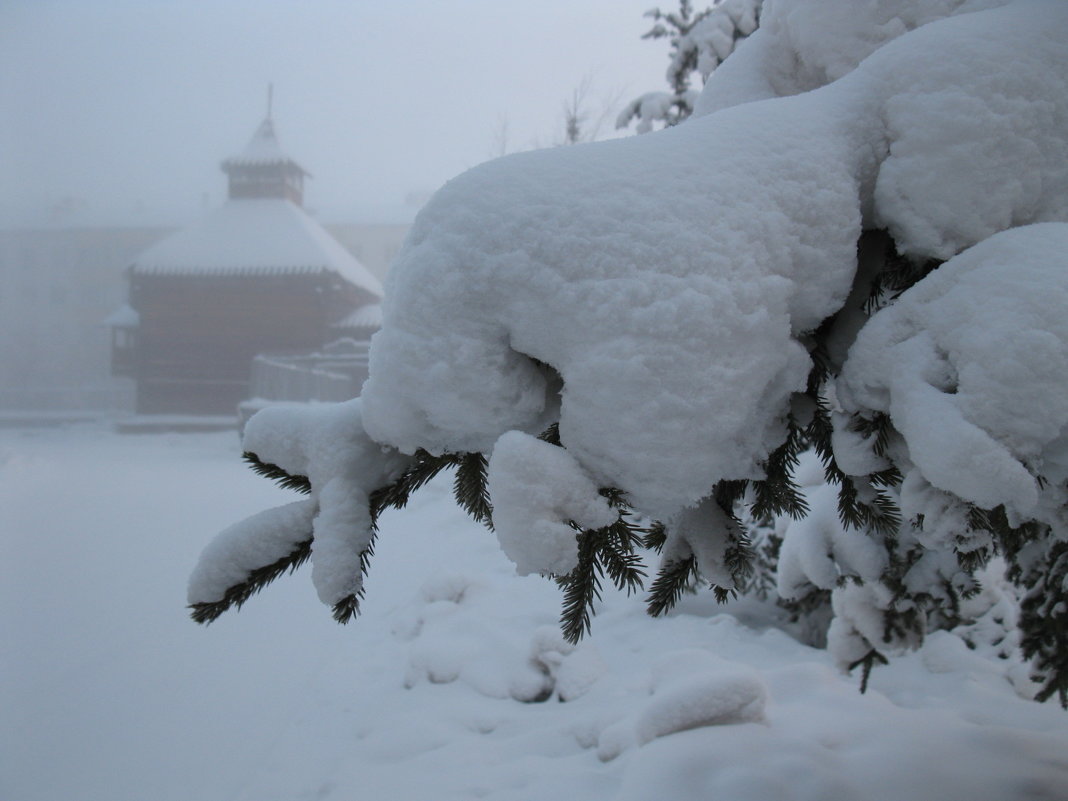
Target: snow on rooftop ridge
<point>262,148</point>
<point>254,237</point>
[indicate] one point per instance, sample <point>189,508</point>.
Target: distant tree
<point>584,119</point>
<point>699,43</point>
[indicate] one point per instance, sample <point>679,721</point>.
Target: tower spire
<point>263,169</point>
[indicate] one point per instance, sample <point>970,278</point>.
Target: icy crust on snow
<point>971,364</point>
<point>537,488</point>
<point>666,278</point>
<point>328,445</point>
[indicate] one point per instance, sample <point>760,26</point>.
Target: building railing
<point>334,374</point>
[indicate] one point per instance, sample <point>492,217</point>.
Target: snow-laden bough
<point>666,312</point>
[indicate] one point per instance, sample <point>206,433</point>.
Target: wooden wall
<point>199,333</point>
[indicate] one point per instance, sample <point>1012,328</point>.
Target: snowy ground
<point>109,692</point>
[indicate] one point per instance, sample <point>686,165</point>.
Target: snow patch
<point>979,398</point>
<point>537,490</point>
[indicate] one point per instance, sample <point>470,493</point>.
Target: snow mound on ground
<point>451,637</point>
<point>573,669</point>
<point>668,279</point>
<point>690,689</point>
<point>979,398</point>
<point>337,722</point>
<point>702,701</point>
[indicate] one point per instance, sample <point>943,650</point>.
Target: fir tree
<point>698,45</point>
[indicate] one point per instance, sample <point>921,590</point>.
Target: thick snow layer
<point>818,551</point>
<point>802,46</point>
<point>704,532</point>
<point>667,278</point>
<point>104,675</point>
<point>662,276</point>
<point>260,540</point>
<point>255,236</point>
<point>538,489</point>
<point>327,444</point>
<point>972,363</point>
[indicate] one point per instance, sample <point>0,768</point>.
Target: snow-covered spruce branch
<point>272,471</point>
<point>815,251</point>
<point>248,556</point>
<point>255,580</point>
<point>245,540</point>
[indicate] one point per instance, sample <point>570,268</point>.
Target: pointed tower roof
<point>262,150</point>
<point>263,169</point>
<point>261,229</point>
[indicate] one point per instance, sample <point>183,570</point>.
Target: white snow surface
<point>369,316</point>
<point>255,236</point>
<point>818,551</point>
<point>110,692</point>
<point>325,443</point>
<point>802,46</point>
<point>978,397</point>
<point>537,489</point>
<point>243,547</point>
<point>666,278</point>
<point>669,320</point>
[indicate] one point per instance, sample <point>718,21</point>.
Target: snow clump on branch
<point>670,279</point>
<point>668,309</point>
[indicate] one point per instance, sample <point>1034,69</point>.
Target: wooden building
<point>256,275</point>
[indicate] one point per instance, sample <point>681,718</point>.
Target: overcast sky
<point>126,108</point>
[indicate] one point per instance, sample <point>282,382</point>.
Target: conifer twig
<point>236,595</point>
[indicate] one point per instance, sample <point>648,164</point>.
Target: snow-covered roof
<point>369,316</point>
<point>262,148</point>
<point>254,237</point>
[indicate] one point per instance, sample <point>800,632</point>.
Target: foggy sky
<point>126,108</point>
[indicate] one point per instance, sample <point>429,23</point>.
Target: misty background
<point>115,117</point>
<point>114,111</point>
